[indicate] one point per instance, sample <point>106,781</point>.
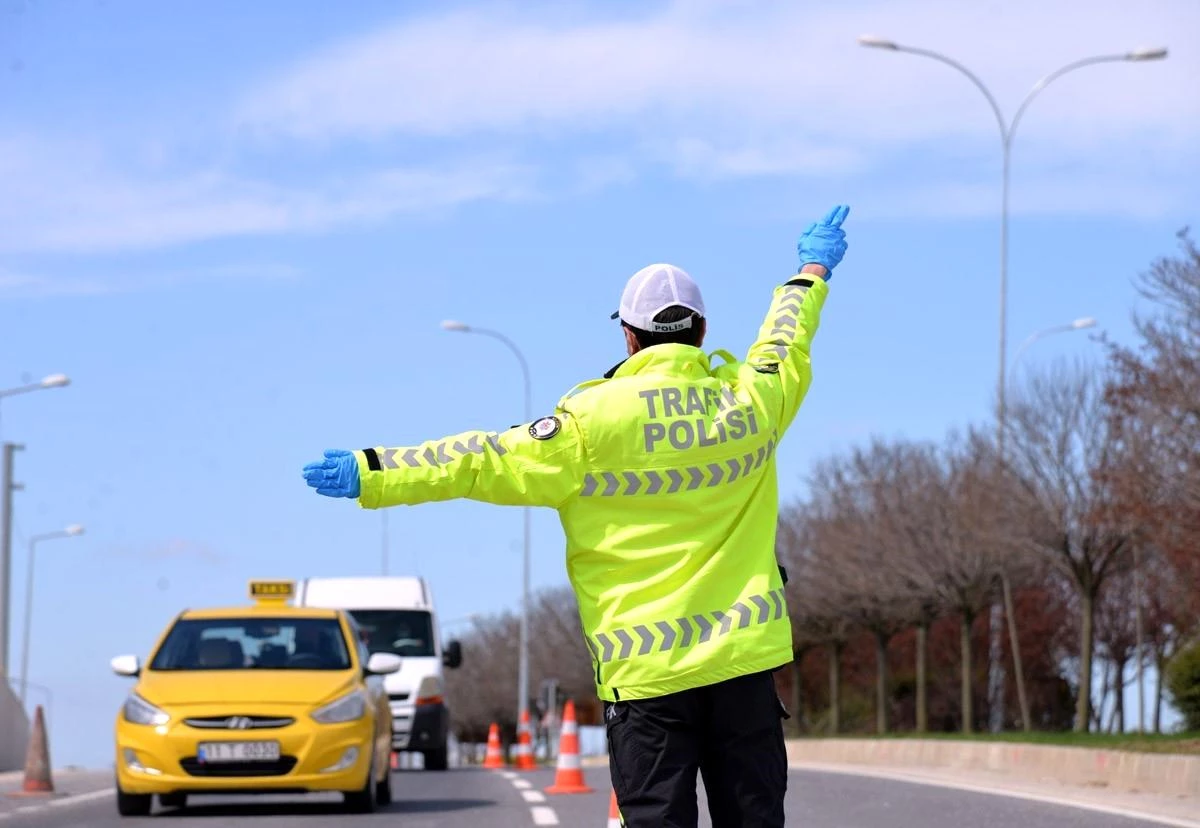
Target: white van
<point>396,615</point>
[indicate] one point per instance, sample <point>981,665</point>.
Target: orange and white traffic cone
<point>614,813</point>
<point>569,776</point>
<point>38,780</point>
<point>494,758</point>
<point>524,750</point>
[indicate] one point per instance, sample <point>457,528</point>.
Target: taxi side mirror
<point>452,655</point>
<point>126,665</point>
<point>381,664</point>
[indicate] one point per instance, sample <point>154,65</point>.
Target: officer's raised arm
<point>781,349</point>
<point>537,464</point>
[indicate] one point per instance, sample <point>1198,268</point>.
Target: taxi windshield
<point>253,644</point>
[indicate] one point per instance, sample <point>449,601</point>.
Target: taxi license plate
<point>238,752</point>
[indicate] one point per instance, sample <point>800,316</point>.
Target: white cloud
<point>745,69</point>
<point>25,285</point>
<point>720,90</point>
<point>700,158</point>
<point>80,204</point>
<point>706,90</point>
<point>12,281</point>
<point>594,173</point>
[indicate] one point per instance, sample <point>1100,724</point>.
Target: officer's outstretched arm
<point>779,358</point>
<point>780,353</point>
<point>537,464</point>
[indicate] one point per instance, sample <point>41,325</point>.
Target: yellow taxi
<point>266,698</point>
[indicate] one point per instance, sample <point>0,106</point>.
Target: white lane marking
<point>508,774</point>
<point>58,803</point>
<point>87,797</point>
<point>967,786</point>
<point>543,815</point>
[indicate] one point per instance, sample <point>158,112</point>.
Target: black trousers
<point>732,733</point>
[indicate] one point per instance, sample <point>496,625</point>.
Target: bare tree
<point>1172,615</point>
<point>1061,450</point>
<point>795,555</point>
<point>483,689</point>
<point>962,553</point>
<point>829,617</point>
<point>558,650</point>
<point>817,610</point>
<point>854,508</point>
<point>1154,413</point>
<point>939,514</point>
<point>1116,637</point>
<point>903,482</point>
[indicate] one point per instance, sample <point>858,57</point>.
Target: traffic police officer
<point>663,475</point>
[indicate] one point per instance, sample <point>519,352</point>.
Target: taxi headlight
<point>140,711</point>
<point>345,709</point>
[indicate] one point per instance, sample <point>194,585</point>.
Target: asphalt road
<point>471,798</point>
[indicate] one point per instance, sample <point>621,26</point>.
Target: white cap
<point>652,290</point>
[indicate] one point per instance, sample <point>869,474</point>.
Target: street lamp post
<point>1077,325</point>
<point>1007,131</point>
<point>7,487</point>
<point>523,657</point>
<point>70,532</point>
<point>1005,585</point>
<point>52,381</point>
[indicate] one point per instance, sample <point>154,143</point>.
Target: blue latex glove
<point>824,242</point>
<point>335,476</point>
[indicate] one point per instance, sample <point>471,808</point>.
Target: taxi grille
<point>238,722</point>
<point>193,767</point>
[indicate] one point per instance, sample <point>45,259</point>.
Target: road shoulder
<point>1181,811</point>
<point>71,787</point>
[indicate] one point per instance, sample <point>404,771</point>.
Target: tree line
<point>1082,520</point>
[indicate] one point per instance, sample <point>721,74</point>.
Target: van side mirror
<point>452,654</point>
<point>126,665</point>
<point>383,664</point>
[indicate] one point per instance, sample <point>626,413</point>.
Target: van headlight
<point>140,711</point>
<point>345,709</point>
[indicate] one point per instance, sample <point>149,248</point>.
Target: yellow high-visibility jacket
<point>663,475</point>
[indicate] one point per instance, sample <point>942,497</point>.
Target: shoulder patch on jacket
<point>545,428</point>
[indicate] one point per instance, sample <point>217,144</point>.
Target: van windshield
<point>403,632</point>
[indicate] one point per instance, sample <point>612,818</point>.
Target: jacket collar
<point>663,359</point>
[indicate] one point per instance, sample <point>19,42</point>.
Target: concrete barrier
<point>14,730</point>
<point>1166,774</point>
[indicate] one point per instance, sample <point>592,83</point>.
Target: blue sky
<point>238,226</point>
